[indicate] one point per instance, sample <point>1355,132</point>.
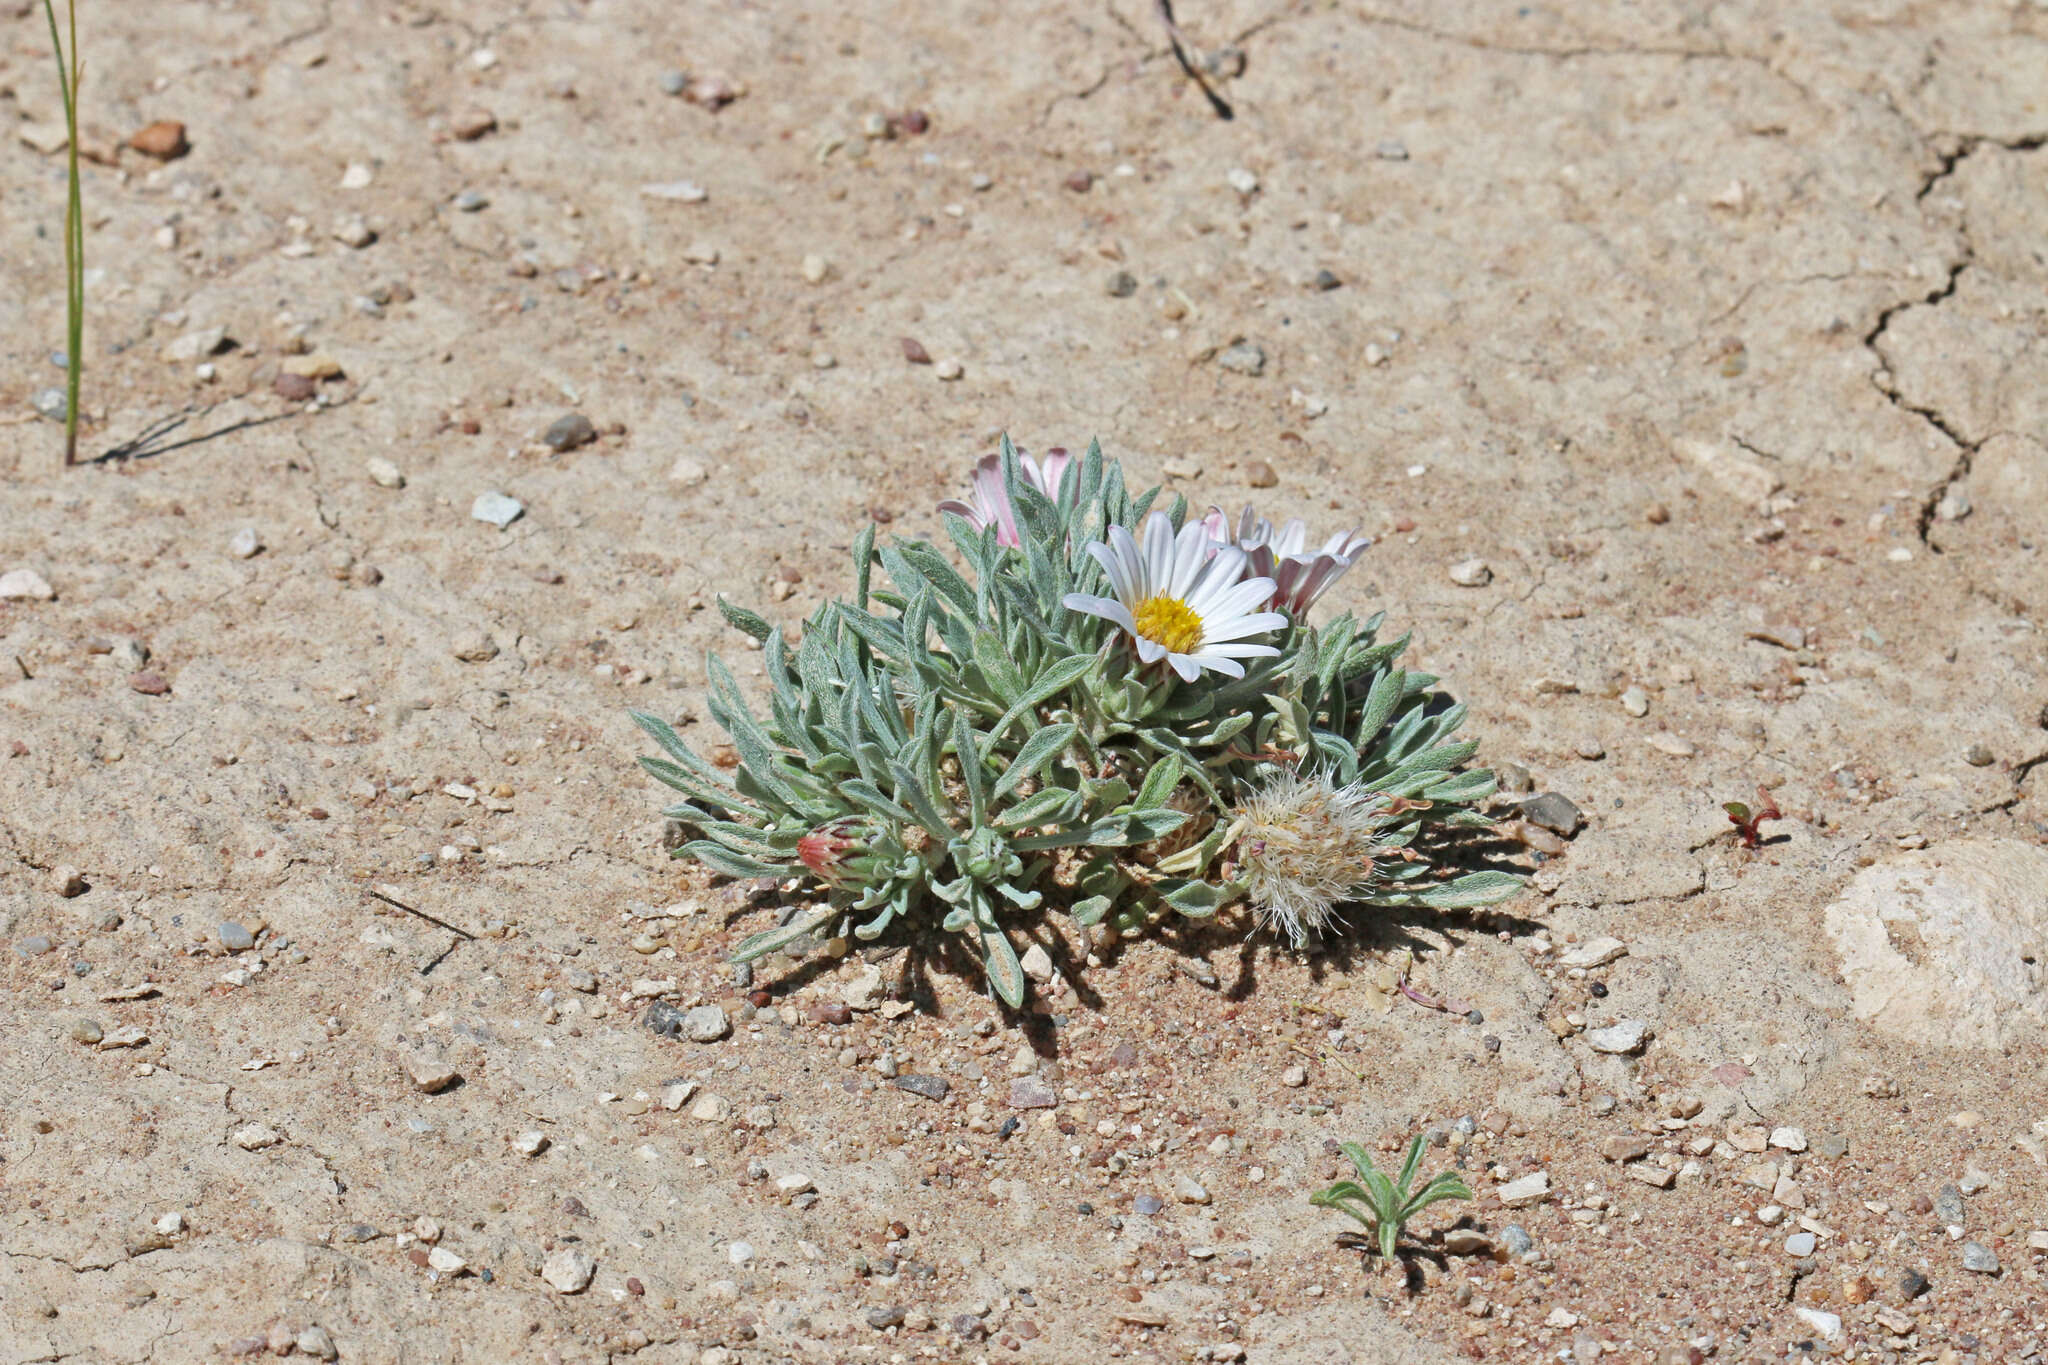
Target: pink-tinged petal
<point>1259,623</point>
<point>1248,527</point>
<point>1107,608</point>
<point>1216,525</point>
<point>961,509</point>
<point>990,488</point>
<point>1054,472</point>
<point>1185,665</point>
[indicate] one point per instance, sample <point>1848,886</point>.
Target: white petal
<point>1158,554</point>
<point>1235,599</point>
<point>1132,558</point>
<point>1149,651</point>
<point>1190,557</point>
<point>1237,627</point>
<point>1187,666</point>
<point>1231,649</point>
<point>1107,608</point>
<point>1217,578</point>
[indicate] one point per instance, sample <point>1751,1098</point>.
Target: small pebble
<point>530,1143</point>
<point>815,268</point>
<point>1242,180</point>
<point>234,937</point>
<point>67,881</point>
<point>1122,284</point>
<point>472,123</point>
<point>1080,181</point>
<point>1391,150</point>
<point>164,140</point>
<point>881,1319</point>
<point>1243,357</point>
<point>1978,756</point>
<point>1590,749</point>
<point>914,351</point>
<point>1294,1076</point>
<point>948,369</point>
<point>569,432</point>
<point>245,543</point>
<point>1471,573</point>
<point>473,646</point>
<point>1325,280</point>
<point>315,1342</point>
<point>1554,813</point>
<point>25,585</point>
<point>1948,1206</point>
<point>1800,1244</point>
<point>50,404</point>
<point>86,1031</point>
<point>255,1137</point>
<point>1260,474</point>
<point>1636,702</point>
<point>430,1075</point>
<point>471,201</point>
<point>1980,1258</point>
<point>1619,1039</point>
<point>568,1269</point>
<point>1148,1205</point>
<point>352,231</point>
<point>706,1024</point>
<point>674,82</point>
<point>497,509</point>
<point>931,1087</point>
<point>701,253</point>
<point>383,473</point>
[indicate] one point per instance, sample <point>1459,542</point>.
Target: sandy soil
<point>1715,331</point>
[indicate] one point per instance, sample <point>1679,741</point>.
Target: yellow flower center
<point>1170,622</point>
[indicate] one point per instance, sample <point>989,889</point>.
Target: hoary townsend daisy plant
<point>1094,706</point>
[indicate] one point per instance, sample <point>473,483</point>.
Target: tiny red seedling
<point>1747,820</point>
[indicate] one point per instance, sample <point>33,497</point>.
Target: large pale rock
<point>1948,945</point>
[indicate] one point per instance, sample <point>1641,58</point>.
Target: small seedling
<point>1384,1205</point>
<point>1747,820</point>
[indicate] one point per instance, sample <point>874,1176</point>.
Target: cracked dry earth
<point>1715,331</point>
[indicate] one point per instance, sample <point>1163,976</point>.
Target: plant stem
<point>68,73</point>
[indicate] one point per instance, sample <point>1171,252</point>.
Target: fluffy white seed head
<point>1307,844</point>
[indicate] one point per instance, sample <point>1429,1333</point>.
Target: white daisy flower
<point>1180,598</point>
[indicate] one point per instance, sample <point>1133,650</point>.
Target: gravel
<point>497,509</point>
<point>1619,1039</point>
<point>931,1087</point>
<point>707,1024</point>
<point>1553,812</point>
<point>1243,357</point>
<point>1979,1258</point>
<point>569,432</point>
<point>1471,573</point>
<point>568,1270</point>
